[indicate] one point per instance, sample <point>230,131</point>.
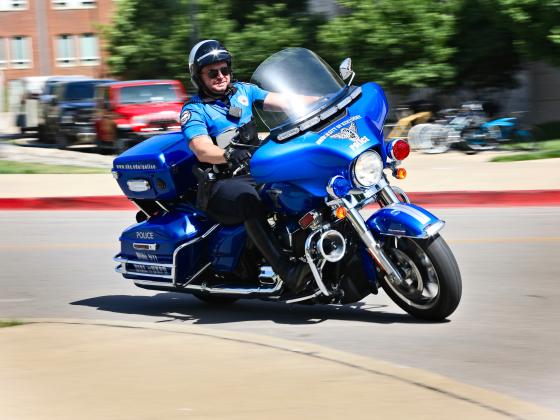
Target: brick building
<point>52,37</point>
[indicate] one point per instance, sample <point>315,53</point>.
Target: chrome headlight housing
<point>367,169</point>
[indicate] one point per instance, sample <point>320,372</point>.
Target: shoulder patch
<point>185,116</point>
<point>243,100</point>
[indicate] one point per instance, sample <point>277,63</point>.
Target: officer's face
<point>214,78</point>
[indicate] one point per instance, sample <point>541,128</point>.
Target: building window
<point>3,54</point>
<point>7,5</point>
<point>20,52</point>
<point>65,51</point>
<point>89,50</point>
<point>73,4</point>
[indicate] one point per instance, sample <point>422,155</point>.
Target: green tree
<point>536,25</point>
<point>401,44</point>
<point>267,30</point>
<point>485,48</point>
<point>152,38</point>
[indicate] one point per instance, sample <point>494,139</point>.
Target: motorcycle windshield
<point>303,78</point>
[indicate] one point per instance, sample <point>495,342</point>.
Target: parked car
<point>45,100</point>
<point>27,115</point>
<point>69,112</point>
<point>131,111</point>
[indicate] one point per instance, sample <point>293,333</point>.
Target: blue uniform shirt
<point>211,117</point>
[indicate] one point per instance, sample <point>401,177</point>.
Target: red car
<point>132,111</point>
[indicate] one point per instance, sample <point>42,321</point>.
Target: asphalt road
<point>504,335</point>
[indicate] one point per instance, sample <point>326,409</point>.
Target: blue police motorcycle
<point>321,174</point>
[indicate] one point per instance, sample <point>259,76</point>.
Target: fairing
<point>311,159</point>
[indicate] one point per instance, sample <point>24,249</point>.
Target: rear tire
<point>432,282</point>
<point>216,300</point>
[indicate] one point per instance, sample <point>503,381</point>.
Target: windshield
<point>296,72</point>
<point>148,93</point>
<point>82,91</point>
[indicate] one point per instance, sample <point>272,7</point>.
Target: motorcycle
<point>320,173</point>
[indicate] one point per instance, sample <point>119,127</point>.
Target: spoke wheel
<point>431,286</point>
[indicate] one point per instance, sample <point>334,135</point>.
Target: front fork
<point>373,247</point>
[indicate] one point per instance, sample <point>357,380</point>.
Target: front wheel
<point>431,287</point>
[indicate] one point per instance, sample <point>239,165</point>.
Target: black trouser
<point>234,200</point>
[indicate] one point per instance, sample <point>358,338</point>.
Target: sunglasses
<point>225,71</point>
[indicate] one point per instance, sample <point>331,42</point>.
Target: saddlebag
<point>164,250</point>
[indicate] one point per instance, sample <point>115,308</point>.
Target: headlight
<point>367,169</point>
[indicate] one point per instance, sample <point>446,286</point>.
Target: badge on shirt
<point>185,117</point>
<point>243,100</point>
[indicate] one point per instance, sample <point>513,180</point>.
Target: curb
<point>522,198</point>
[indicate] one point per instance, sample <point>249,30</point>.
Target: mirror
<point>345,68</point>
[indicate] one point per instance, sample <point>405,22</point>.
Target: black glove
<point>236,157</point>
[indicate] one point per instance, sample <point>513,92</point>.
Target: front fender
<point>404,219</point>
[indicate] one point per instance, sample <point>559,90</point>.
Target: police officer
<point>208,122</point>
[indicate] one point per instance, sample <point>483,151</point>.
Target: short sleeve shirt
<point>212,118</point>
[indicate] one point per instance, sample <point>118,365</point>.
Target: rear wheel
<point>431,287</point>
<point>216,299</point>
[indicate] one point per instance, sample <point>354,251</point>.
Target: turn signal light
<point>400,173</point>
<point>341,212</point>
<point>398,149</point>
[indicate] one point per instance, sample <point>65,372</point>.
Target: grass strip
<point>543,150</point>
<point>13,167</point>
<point>4,324</point>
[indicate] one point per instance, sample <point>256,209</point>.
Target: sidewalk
<point>431,178</point>
<point>101,370</point>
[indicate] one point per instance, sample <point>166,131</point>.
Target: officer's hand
<point>236,157</point>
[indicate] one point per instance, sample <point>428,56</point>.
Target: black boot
<point>294,274</point>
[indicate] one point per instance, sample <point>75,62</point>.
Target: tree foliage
<point>485,51</point>
<point>536,25</point>
<point>401,44</point>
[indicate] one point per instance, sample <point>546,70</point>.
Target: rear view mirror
<point>345,70</point>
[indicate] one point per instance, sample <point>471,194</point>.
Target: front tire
<point>432,285</point>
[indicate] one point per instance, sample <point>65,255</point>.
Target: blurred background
<point>428,55</point>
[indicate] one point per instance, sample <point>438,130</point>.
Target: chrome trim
<point>121,269</point>
<point>388,196</point>
<point>237,290</point>
<point>165,209</point>
<point>338,254</point>
<point>374,248</point>
<point>180,247</point>
<point>300,299</point>
<point>434,228</point>
<point>140,208</point>
<point>401,192</point>
<point>144,247</point>
<point>314,269</point>
<point>195,275</point>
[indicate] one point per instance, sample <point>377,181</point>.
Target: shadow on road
<point>181,307</point>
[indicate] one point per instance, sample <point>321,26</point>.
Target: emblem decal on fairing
<point>348,131</point>
<point>185,117</point>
